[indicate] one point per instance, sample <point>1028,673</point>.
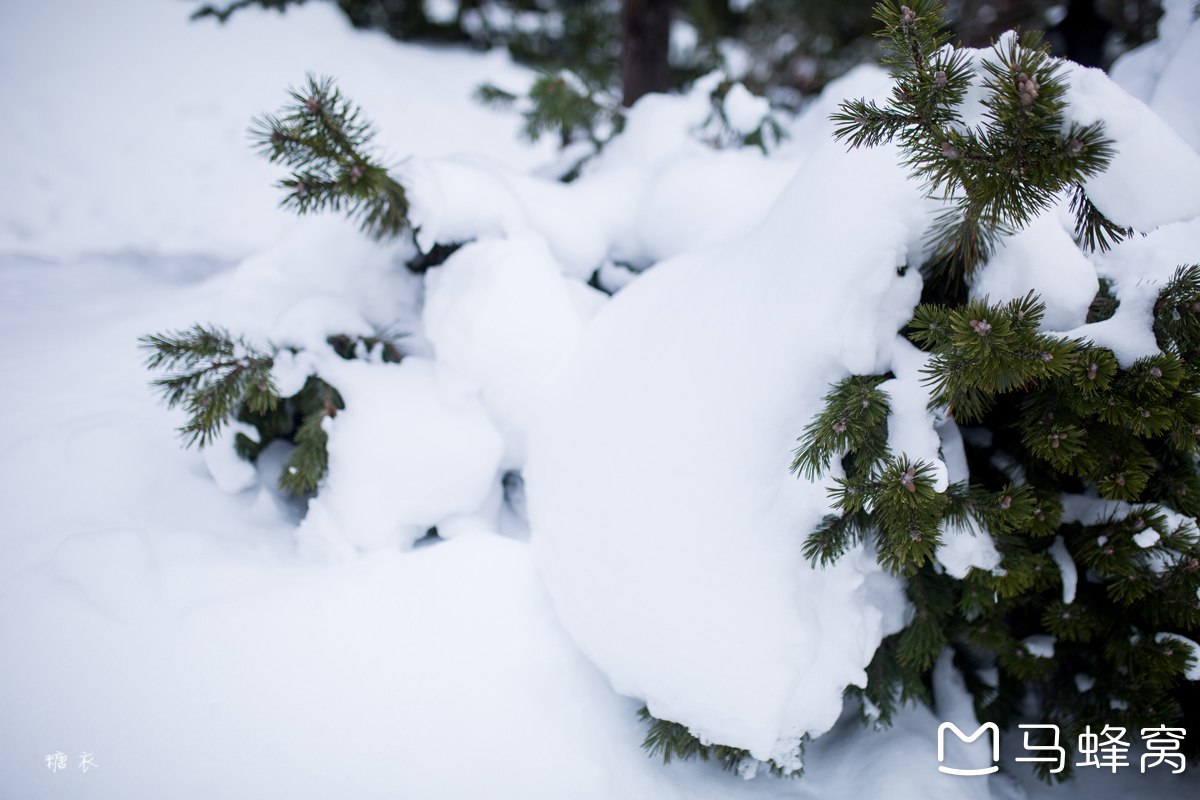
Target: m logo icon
<point>987,726</point>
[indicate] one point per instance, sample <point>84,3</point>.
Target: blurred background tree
<point>786,50</point>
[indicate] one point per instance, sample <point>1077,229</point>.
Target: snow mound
<point>1162,73</point>
<point>413,445</point>
<point>664,517</point>
<point>500,313</point>
<point>1154,176</point>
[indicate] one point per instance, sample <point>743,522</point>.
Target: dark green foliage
<point>309,461</point>
<point>210,374</point>
<point>563,104</point>
<point>217,379</point>
<point>854,422</point>
<point>322,136</point>
<point>1047,417</point>
<point>672,740</point>
<point>999,175</point>
<point>1104,305</point>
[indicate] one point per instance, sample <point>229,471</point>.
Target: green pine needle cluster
<point>998,175</point>
<point>210,375</point>
<point>323,137</point>
<point>217,378</point>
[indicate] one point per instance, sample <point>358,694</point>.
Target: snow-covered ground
<point>197,643</point>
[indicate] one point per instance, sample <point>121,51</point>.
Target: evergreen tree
<point>1072,421</point>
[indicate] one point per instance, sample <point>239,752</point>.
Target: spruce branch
<point>854,421</point>
<point>672,740</point>
<point>999,174</point>
<point>210,374</point>
<point>324,138</point>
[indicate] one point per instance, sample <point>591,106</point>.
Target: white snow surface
<point>201,634</point>
<point>680,412</point>
<point>1162,73</point>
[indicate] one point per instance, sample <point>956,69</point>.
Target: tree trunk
<point>645,43</point>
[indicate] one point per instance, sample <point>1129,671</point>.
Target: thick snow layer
<point>1162,73</point>
<point>168,628</point>
<point>413,446</point>
<point>1154,176</point>
<point>664,517</point>
<point>501,314</point>
<point>1042,258</point>
<point>1138,268</point>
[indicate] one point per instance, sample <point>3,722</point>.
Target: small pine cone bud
<point>1108,551</point>
<point>262,387</point>
<point>866,403</point>
<point>1074,147</point>
<point>1027,88</point>
<point>276,136</point>
<point>907,15</point>
<point>1020,653</point>
<point>1041,515</point>
<point>1139,523</point>
<point>1092,370</point>
<point>1112,402</point>
<point>907,479</point>
<point>916,537</point>
<point>356,172</point>
<point>301,189</point>
<point>939,77</point>
<point>1037,568</point>
<point>1155,372</point>
<point>1120,480</point>
<point>1145,413</point>
<point>313,104</point>
<point>1047,356</point>
<point>981,326</point>
<point>1194,308</point>
<point>1195,431</point>
<point>948,151</point>
<point>839,426</point>
<point>1005,502</point>
<point>860,121</point>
